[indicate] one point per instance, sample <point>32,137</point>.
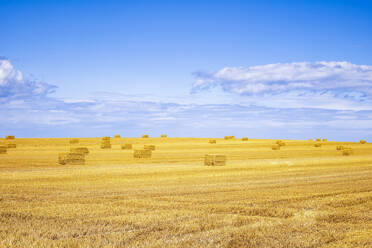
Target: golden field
<point>298,196</point>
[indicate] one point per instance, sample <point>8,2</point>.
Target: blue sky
<point>270,69</point>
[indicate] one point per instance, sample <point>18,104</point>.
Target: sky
<point>261,69</point>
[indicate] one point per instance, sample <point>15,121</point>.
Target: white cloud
<point>14,85</point>
<point>283,77</point>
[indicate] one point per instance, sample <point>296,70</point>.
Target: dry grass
<point>300,196</point>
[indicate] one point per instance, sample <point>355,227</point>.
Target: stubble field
<point>298,196</point>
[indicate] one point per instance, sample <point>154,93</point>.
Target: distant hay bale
<point>126,146</point>
<point>82,150</point>
<point>214,160</point>
<point>275,147</point>
<point>145,136</point>
<point>142,153</point>
<point>339,148</point>
<point>280,143</point>
<point>347,152</point>
<point>310,140</point>
<point>71,158</point>
<point>9,137</point>
<point>324,140</point>
<point>149,147</point>
<point>318,140</point>
<point>11,145</point>
<point>3,149</point>
<point>105,144</point>
<point>244,139</point>
<point>317,144</point>
<point>212,141</point>
<point>106,138</point>
<point>117,136</point>
<point>74,141</point>
<point>163,136</point>
<point>363,141</point>
<point>229,137</point>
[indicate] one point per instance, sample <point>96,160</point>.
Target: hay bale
<point>117,136</point>
<point>105,144</point>
<point>275,147</point>
<point>71,158</point>
<point>362,141</point>
<point>149,147</point>
<point>106,138</point>
<point>280,143</point>
<point>3,149</point>
<point>317,144</point>
<point>212,141</point>
<point>74,141</point>
<point>126,146</point>
<point>82,150</point>
<point>318,140</point>
<point>347,152</point>
<point>339,148</point>
<point>142,153</point>
<point>229,137</point>
<point>163,136</point>
<point>11,145</point>
<point>9,137</point>
<point>145,136</point>
<point>324,140</point>
<point>310,140</point>
<point>244,139</point>
<point>214,160</point>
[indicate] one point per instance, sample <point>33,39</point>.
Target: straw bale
<point>317,144</point>
<point>363,141</point>
<point>275,147</point>
<point>339,148</point>
<point>214,160</point>
<point>229,137</point>
<point>142,153</point>
<point>11,145</point>
<point>212,141</point>
<point>117,136</point>
<point>318,140</point>
<point>145,136</point>
<point>244,139</point>
<point>163,136</point>
<point>324,140</point>
<point>105,144</point>
<point>82,150</point>
<point>149,147</point>
<point>126,146</point>
<point>74,141</point>
<point>71,158</point>
<point>106,138</point>
<point>3,149</point>
<point>280,143</point>
<point>347,152</point>
<point>9,137</point>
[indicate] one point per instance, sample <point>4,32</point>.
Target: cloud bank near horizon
<point>284,77</point>
<point>30,111</point>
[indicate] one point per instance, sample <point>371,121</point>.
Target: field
<point>298,196</point>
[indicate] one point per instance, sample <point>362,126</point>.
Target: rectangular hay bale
<point>10,137</point>
<point>11,145</point>
<point>126,146</point>
<point>82,150</point>
<point>142,153</point>
<point>149,147</point>
<point>214,160</point>
<point>3,149</point>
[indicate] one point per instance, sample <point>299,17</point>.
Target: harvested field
<point>297,196</point>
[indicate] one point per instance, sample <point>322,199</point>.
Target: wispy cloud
<point>281,77</point>
<point>14,85</point>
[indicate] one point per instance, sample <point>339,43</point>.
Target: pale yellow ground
<point>300,196</point>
